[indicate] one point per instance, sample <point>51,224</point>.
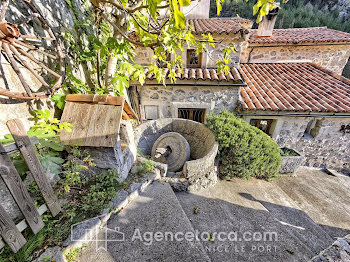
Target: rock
<point>59,257</point>
<point>49,253</point>
<point>82,233</point>
<point>170,174</point>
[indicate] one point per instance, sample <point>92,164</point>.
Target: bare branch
<point>4,6</point>
<point>28,19</point>
<point>16,68</point>
<point>144,29</point>
<point>98,69</point>
<point>128,9</point>
<point>125,36</point>
<point>37,37</point>
<point>35,49</point>
<point>17,54</point>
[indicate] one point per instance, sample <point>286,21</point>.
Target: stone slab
<point>155,210</point>
<point>249,207</point>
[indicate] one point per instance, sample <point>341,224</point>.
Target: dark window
<point>194,60</point>
<point>263,124</point>
<point>195,114</point>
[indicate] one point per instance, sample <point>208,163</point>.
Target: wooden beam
<point>10,148</point>
<point>125,116</point>
<point>9,232</point>
<point>23,225</point>
<point>19,192</point>
<point>25,146</point>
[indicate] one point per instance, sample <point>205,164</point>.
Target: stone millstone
<point>171,149</point>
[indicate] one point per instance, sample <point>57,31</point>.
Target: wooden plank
<point>13,147</point>
<point>79,116</point>
<point>26,148</point>
<point>93,124</point>
<point>19,192</point>
<point>23,225</point>
<point>96,99</point>
<point>98,115</point>
<point>67,116</point>
<point>80,98</point>
<point>111,126</point>
<point>9,232</point>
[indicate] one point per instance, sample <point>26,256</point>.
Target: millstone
<point>171,149</point>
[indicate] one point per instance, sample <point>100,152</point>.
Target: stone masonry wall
<point>60,17</point>
<point>332,57</point>
<point>169,98</point>
<point>329,148</point>
<point>209,57</point>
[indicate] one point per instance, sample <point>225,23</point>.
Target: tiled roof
<point>202,74</point>
<point>300,35</point>
<point>218,25</point>
<point>293,87</point>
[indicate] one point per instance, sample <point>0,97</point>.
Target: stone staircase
<point>268,224</point>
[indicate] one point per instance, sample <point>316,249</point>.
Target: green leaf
<point>180,20</point>
<point>218,6</point>
<point>185,2</point>
<point>50,143</point>
<point>59,100</point>
<point>51,162</point>
<point>20,165</point>
<point>7,139</point>
<point>256,8</point>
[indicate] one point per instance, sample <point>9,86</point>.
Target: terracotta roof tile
<point>300,35</point>
<point>218,25</point>
<point>293,87</point>
<point>203,74</point>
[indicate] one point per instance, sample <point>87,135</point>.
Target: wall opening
<point>313,128</point>
<point>195,114</point>
<point>265,125</point>
<point>151,112</point>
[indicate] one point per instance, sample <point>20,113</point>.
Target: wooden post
<point>26,148</point>
<point>9,232</point>
<point>19,192</point>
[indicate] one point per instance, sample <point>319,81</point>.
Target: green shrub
<point>244,150</point>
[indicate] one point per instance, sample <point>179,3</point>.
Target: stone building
<point>325,47</point>
<point>284,81</point>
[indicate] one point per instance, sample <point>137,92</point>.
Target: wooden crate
<point>95,119</point>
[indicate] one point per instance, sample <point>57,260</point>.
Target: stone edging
<point>87,230</point>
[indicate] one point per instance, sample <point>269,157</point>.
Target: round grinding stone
<point>171,149</point>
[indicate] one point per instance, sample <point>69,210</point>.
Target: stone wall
<point>61,19</point>
<point>329,148</point>
<point>166,100</point>
<point>332,57</point>
<point>12,109</point>
<point>209,57</point>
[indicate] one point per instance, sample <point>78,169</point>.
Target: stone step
<point>253,207</point>
<point>155,211</point>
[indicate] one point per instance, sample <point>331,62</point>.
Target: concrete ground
<point>288,219</point>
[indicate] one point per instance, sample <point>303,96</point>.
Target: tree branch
<point>144,29</point>
<point>125,36</point>
<point>128,9</point>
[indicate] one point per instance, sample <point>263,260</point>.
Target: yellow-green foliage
<point>244,150</point>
